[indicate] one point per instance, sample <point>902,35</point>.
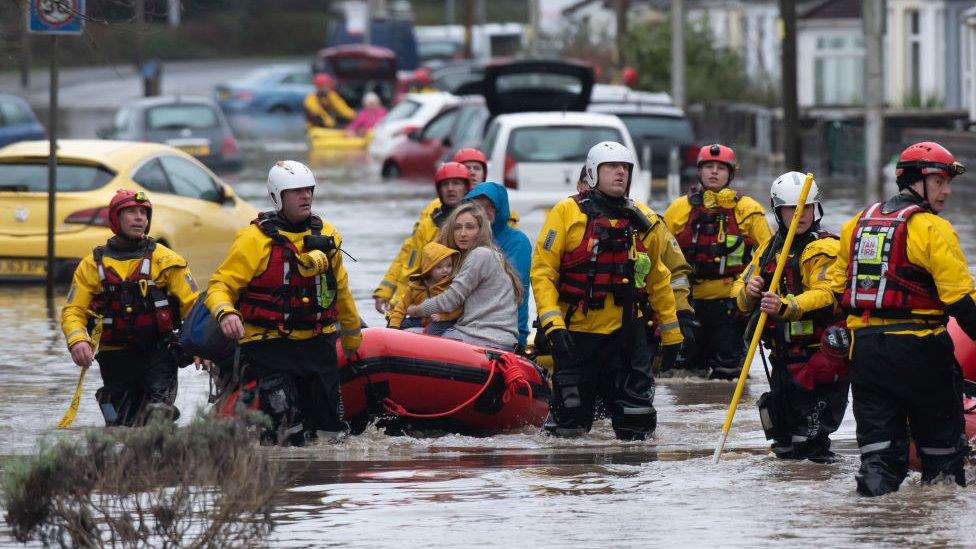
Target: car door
<point>293,87</point>
<point>422,154</point>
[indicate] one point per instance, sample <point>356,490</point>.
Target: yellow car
<point>194,212</point>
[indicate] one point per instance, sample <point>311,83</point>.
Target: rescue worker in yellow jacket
<point>138,291</point>
<point>324,108</point>
<point>718,231</point>
<point>900,273</point>
<point>451,182</point>
<point>805,334</point>
<point>598,284</point>
<point>279,292</point>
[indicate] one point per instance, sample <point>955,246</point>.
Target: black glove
<point>669,354</point>
<point>837,338</point>
<point>689,326</point>
<point>561,341</point>
<point>319,242</point>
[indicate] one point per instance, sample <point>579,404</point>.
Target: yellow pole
<point>69,416</point>
<point>757,334</point>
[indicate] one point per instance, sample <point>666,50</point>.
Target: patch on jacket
<point>71,293</point>
<point>550,239</point>
<point>191,282</point>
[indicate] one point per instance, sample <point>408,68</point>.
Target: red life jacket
<point>602,264</point>
<point>712,242</point>
<point>280,297</point>
<point>883,282</point>
<point>135,312</point>
<point>794,339</point>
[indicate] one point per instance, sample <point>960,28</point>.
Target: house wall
<point>933,48</point>
<point>748,28</point>
<point>837,45</point>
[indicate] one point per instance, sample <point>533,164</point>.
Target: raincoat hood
<point>499,197</point>
<point>432,254</point>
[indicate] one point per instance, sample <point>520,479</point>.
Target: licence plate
<point>196,150</point>
<point>23,267</point>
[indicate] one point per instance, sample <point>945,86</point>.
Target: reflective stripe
<point>782,449</point>
<point>670,326</point>
<point>145,266</point>
<point>937,451</point>
<point>800,438</point>
<point>638,411</point>
<point>875,447</point>
<point>78,331</point>
<point>101,272</point>
<point>106,320</point>
<point>680,282</point>
<point>549,315</point>
<point>388,284</point>
<point>161,303</point>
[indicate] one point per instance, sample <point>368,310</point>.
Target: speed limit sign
<point>56,16</point>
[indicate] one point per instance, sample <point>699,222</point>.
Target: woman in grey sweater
<point>485,284</point>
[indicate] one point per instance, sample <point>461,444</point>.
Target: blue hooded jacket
<point>513,243</point>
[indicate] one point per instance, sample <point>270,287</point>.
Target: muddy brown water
<point>519,488</point>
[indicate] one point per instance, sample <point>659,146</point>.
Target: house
<point>830,54</point>
<point>748,27</point>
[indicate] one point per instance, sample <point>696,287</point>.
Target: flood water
<point>517,489</point>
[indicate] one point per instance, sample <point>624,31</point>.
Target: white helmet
<point>607,151</point>
<point>785,191</point>
<point>287,174</point>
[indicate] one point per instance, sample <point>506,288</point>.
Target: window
<point>557,143</point>
<point>152,177</point>
<point>32,177</point>
<point>471,124</point>
<point>403,109</point>
<point>441,126</point>
<point>179,116</point>
<point>838,68</point>
<point>490,137</point>
<point>914,54</point>
<point>189,180</point>
<point>122,120</point>
<point>298,78</point>
<point>643,126</point>
<point>13,113</point>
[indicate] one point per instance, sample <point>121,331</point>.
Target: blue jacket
<point>513,243</point>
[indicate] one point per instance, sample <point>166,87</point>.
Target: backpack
<point>201,336</point>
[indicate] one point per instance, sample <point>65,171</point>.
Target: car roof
<point>432,97</point>
<point>172,100</point>
<point>117,155</point>
<point>568,118</point>
<point>14,98</point>
<point>637,108</point>
<point>615,93</point>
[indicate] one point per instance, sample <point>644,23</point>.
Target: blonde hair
<point>446,237</point>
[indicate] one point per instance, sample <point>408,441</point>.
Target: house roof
<point>832,9</point>
<point>576,6</point>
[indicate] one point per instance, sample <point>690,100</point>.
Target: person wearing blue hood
<point>493,199</point>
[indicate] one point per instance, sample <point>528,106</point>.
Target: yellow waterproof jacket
<point>168,269</point>
<point>675,262</point>
<point>932,244</point>
<point>420,288</point>
<point>326,113</point>
<point>815,261</point>
<point>751,219</point>
<point>248,258</point>
<point>562,232</point>
<point>397,277</point>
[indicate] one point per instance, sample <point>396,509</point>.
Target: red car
<point>359,69</point>
<point>509,86</point>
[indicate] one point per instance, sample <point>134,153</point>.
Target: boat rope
<point>511,372</point>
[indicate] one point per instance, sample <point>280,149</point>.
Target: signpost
<point>54,17</point>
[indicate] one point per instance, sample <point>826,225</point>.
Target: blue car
<point>18,122</point>
<point>277,89</point>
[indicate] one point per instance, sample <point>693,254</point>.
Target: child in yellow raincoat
<point>438,264</point>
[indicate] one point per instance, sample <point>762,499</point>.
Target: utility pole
<point>173,13</point>
<point>25,49</point>
<point>622,7</point>
<point>139,16</point>
<point>678,53</point>
<point>468,22</point>
<point>791,111</point>
<point>534,28</point>
<point>449,15</point>
<point>873,15</point>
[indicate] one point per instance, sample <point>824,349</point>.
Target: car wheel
<point>280,109</point>
<point>390,170</point>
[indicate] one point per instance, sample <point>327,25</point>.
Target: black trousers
<point>297,382</point>
<point>809,417</point>
<point>906,385</point>
<point>720,349</point>
<point>609,366</point>
<point>132,380</point>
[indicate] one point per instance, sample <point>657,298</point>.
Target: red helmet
<point>323,80</point>
<point>629,77</point>
<point>125,198</point>
<point>422,76</point>
<point>451,170</point>
<point>471,155</point>
<point>923,159</point>
<point>718,153</point>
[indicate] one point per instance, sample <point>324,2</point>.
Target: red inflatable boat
<point>442,383</point>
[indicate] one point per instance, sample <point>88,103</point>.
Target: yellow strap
<point>69,416</point>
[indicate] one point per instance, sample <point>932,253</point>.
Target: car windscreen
<point>403,109</point>
<point>557,143</point>
<point>258,77</point>
<point>177,117</point>
<point>32,177</point>
<point>643,126</point>
<point>438,50</point>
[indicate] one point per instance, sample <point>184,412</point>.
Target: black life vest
<point>280,297</point>
<point>712,241</point>
<point>134,311</point>
<point>602,264</point>
<point>882,281</point>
